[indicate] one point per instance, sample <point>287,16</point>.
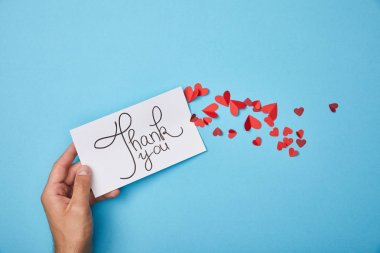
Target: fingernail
<point>83,171</point>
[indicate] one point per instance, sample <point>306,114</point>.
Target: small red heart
<point>252,122</point>
<point>280,145</point>
<point>293,152</point>
<point>256,106</point>
<point>210,110</point>
<point>207,120</point>
<point>235,105</point>
<point>287,131</point>
<point>231,133</point>
<point>201,91</point>
<point>270,109</point>
<point>299,111</point>
<point>248,102</point>
<point>217,132</point>
<point>287,141</point>
<point>199,122</point>
<point>300,142</point>
<point>225,99</point>
<point>274,132</point>
<point>193,118</point>
<point>269,121</point>
<point>300,133</point>
<point>257,141</point>
<point>190,94</point>
<point>333,107</point>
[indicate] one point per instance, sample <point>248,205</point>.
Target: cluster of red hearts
<point>269,110</point>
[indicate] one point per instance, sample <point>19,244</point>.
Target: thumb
<point>82,186</point>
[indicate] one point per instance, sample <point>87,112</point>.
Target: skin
<point>67,200</point>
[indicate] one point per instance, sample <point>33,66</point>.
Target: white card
<point>138,141</point>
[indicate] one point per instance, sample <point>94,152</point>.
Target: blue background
<point>64,63</point>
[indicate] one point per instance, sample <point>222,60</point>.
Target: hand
<point>66,199</point>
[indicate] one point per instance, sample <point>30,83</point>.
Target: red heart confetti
<point>256,106</point>
<point>300,133</point>
<point>217,132</point>
<point>231,133</point>
<point>190,94</point>
<point>287,131</point>
<point>301,142</point>
<point>210,110</point>
<point>225,99</point>
<point>269,121</point>
<point>201,91</point>
<point>287,141</point>
<point>293,152</point>
<point>252,122</point>
<point>257,141</point>
<point>280,145</point>
<point>333,107</point>
<point>299,111</point>
<point>274,132</point>
<point>235,106</point>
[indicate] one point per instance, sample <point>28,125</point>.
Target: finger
<point>109,195</point>
<point>72,172</point>
<point>82,187</point>
<point>60,168</point>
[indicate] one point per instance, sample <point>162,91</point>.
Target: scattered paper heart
<point>252,122</point>
<point>210,110</point>
<point>333,107</point>
<point>257,141</point>
<point>301,142</point>
<point>231,133</point>
<point>299,111</point>
<point>217,132</point>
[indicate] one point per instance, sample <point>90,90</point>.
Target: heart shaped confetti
<point>201,91</point>
<point>257,141</point>
<point>287,131</point>
<point>301,142</point>
<point>293,152</point>
<point>225,99</point>
<point>252,122</point>
<point>235,106</point>
<point>300,133</point>
<point>231,133</point>
<point>217,132</point>
<point>210,110</point>
<point>333,107</point>
<point>299,111</point>
<point>274,132</point>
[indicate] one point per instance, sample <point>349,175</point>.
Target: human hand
<point>66,199</point>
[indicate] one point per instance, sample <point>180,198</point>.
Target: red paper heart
<point>252,122</point>
<point>225,99</point>
<point>235,106</point>
<point>201,91</point>
<point>217,132</point>
<point>280,145</point>
<point>269,121</point>
<point>300,133</point>
<point>301,142</point>
<point>199,123</point>
<point>210,110</point>
<point>333,107</point>
<point>287,131</point>
<point>293,152</point>
<point>231,133</point>
<point>193,118</point>
<point>248,102</point>
<point>270,109</point>
<point>256,106</point>
<point>190,94</point>
<point>287,141</point>
<point>257,141</point>
<point>299,111</point>
<point>207,120</point>
<point>274,132</point>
